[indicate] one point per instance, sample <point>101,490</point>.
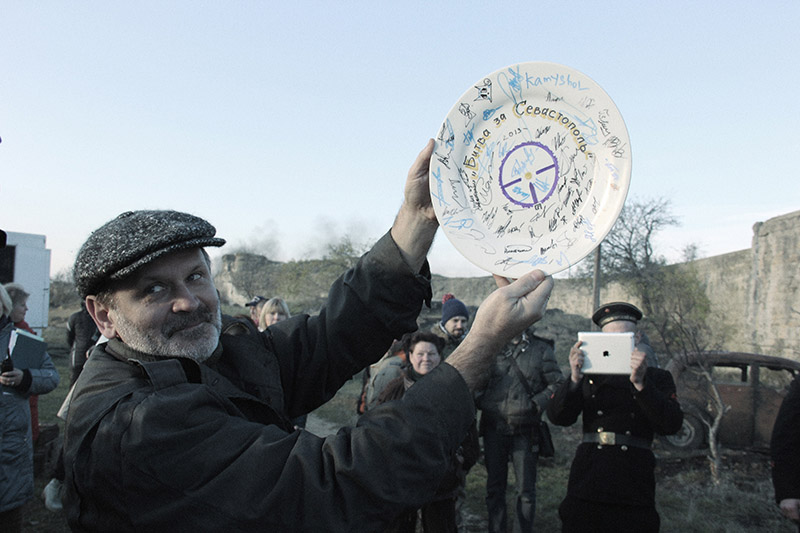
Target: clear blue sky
<point>287,123</point>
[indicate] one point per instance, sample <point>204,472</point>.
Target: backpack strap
<point>164,374</point>
<point>513,361</point>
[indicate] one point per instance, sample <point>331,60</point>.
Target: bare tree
<point>682,316</point>
<point>345,252</point>
<point>628,252</point>
<point>62,290</point>
<point>306,283</point>
<point>673,298</point>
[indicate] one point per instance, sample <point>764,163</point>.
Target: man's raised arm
<point>416,223</point>
<point>505,313</point>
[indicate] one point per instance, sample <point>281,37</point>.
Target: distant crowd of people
<point>612,482</point>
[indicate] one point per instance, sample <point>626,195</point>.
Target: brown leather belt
<point>607,438</point>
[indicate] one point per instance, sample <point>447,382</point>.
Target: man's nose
<point>185,300</point>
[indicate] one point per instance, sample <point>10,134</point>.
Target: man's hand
<point>416,223</point>
<point>638,368</point>
<point>417,190</point>
<point>790,507</point>
<point>504,314</point>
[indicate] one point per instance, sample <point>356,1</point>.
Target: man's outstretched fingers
<point>423,160</point>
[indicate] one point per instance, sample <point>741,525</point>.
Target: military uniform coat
<point>617,474</point>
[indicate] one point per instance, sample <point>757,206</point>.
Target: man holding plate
<point>175,425</point>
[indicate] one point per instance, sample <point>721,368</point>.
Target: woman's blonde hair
<point>16,292</point>
<point>5,302</point>
<point>272,305</point>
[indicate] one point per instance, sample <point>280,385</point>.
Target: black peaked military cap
<point>613,311</point>
<point>255,301</point>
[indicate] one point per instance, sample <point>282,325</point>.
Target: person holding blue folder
<point>16,443</point>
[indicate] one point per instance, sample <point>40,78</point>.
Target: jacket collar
<point>452,338</point>
<point>123,352</point>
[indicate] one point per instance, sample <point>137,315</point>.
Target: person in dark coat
<point>423,353</point>
<point>82,334</point>
<point>452,327</point>
<point>785,451</point>
<point>176,425</point>
<point>612,479</point>
<point>16,442</point>
<point>524,377</point>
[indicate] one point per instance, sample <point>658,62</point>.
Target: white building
<point>26,261</point>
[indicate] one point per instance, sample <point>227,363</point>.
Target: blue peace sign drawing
<point>528,174</point>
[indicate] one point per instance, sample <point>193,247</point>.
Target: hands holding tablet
<point>638,368</point>
<point>576,362</point>
<point>638,365</point>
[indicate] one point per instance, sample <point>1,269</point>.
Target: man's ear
<point>99,313</point>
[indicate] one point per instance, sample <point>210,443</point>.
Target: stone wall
<point>727,279</point>
<point>773,303</point>
<point>573,296</point>
<point>755,293</point>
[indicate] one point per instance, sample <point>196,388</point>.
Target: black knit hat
<point>451,306</point>
<point>134,239</point>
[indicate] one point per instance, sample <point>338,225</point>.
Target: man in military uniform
<point>612,482</point>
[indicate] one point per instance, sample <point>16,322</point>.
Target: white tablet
<point>606,353</point>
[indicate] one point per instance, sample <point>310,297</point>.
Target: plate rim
<point>622,182</point>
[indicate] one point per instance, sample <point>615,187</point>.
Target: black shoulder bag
<point>546,448</point>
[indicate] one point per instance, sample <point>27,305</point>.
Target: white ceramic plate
<point>530,169</point>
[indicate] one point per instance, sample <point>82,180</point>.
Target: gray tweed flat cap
<point>134,239</point>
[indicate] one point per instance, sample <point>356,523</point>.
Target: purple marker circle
<point>528,174</point>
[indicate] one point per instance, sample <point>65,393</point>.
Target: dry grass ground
<point>686,499</point>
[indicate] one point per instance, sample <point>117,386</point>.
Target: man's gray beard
<point>197,345</point>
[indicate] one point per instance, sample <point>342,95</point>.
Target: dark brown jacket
<point>505,405</point>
